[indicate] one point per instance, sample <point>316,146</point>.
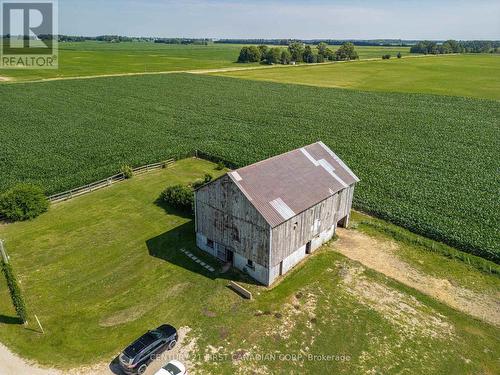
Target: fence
<point>106,182</point>
<point>137,171</point>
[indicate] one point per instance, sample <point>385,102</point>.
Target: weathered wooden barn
<point>266,217</point>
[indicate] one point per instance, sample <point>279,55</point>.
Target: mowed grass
<point>461,75</point>
<point>103,268</point>
<point>427,163</point>
<point>101,58</point>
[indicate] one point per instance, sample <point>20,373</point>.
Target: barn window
<point>235,234</point>
<point>210,243</point>
<point>250,264</point>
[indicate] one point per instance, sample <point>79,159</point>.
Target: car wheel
<point>171,344</point>
<point>142,369</point>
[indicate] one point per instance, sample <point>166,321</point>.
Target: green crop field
<point>463,75</point>
<point>428,163</point>
<point>101,58</point>
<point>101,269</point>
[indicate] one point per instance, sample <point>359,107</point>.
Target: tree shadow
<point>186,214</point>
<point>167,246</point>
<point>5,319</point>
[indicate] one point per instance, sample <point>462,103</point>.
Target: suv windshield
<point>172,369</point>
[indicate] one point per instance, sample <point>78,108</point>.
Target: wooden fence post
<point>5,257</point>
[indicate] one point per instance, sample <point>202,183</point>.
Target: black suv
<point>136,357</point>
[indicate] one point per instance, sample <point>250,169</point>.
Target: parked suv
<point>138,355</point>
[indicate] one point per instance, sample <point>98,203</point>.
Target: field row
<point>426,162</point>
<point>101,58</point>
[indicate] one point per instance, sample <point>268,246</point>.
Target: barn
<point>266,217</point>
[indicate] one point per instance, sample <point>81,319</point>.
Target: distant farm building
<point>266,217</point>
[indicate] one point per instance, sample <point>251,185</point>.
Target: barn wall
<point>224,215</point>
<point>316,224</point>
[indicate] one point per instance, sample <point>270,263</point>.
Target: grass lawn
<point>99,58</point>
<point>418,156</point>
<point>102,268</point>
<point>464,75</point>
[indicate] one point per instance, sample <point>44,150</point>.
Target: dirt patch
<point>123,316</point>
<point>381,256</point>
<point>291,313</point>
<point>404,311</point>
<point>4,79</point>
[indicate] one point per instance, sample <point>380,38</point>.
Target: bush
<point>178,196</point>
<point>199,183</point>
<point>220,166</point>
<point>23,202</point>
<point>208,177</point>
<point>399,55</point>
<point>386,57</point>
<point>127,171</point>
<point>15,292</point>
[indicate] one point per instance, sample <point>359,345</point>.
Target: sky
<point>322,19</point>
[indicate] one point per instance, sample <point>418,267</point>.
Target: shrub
<point>127,171</point>
<point>23,202</point>
<point>399,55</point>
<point>15,292</point>
<point>386,57</point>
<point>199,183</point>
<point>208,177</point>
<point>178,196</point>
<point>220,166</point>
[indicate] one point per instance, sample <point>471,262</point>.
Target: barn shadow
<point>167,246</point>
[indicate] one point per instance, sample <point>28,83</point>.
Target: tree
<point>425,47</point>
<point>346,52</point>
<point>445,48</point>
<point>285,57</point>
<point>249,54</point>
<point>308,55</point>
<point>23,202</point>
<point>263,50</point>
<point>296,51</point>
<point>273,56</point>
<point>325,52</point>
<point>455,46</point>
<point>322,47</point>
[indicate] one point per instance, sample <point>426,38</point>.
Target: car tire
<point>171,344</point>
<point>142,369</point>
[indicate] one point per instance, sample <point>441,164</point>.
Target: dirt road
<point>11,364</point>
<point>381,256</point>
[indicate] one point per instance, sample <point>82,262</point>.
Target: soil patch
<point>381,256</point>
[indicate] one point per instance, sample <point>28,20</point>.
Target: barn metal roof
<point>285,185</point>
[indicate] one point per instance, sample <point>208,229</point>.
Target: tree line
<point>296,52</point>
<point>428,47</point>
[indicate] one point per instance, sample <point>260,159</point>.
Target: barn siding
<point>224,215</point>
<point>310,225</point>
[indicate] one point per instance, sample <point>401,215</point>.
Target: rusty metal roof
<point>285,185</point>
